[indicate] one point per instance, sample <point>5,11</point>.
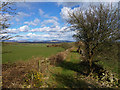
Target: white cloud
<point>69,4</point>
<point>51,29</point>
<point>4,34</point>
<point>44,29</point>
<point>55,18</point>
<point>34,23</point>
<point>12,30</point>
<point>41,12</point>
<point>17,19</point>
<point>47,29</point>
<point>24,5</point>
<point>30,23</point>
<point>23,14</point>
<point>31,34</point>
<point>34,36</point>
<point>20,15</point>
<point>66,12</point>
<point>36,20</point>
<point>37,35</point>
<point>24,28</point>
<point>50,21</point>
<point>46,16</point>
<point>46,34</point>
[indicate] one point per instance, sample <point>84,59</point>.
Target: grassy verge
<point>69,72</point>
<point>66,74</point>
<point>74,73</point>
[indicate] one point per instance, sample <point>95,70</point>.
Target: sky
<point>39,21</point>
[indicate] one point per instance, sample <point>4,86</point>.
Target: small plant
<point>34,79</point>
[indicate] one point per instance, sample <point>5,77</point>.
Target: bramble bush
<point>66,45</point>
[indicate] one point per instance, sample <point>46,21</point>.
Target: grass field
<point>68,71</point>
<point>21,51</point>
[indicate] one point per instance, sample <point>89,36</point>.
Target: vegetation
<point>68,71</point>
<point>6,13</point>
<point>13,52</point>
<point>94,27</point>
<point>60,65</point>
<point>66,45</point>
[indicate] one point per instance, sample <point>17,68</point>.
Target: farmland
<point>20,51</point>
<point>63,45</point>
<point>60,67</point>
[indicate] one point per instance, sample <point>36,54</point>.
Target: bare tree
<point>94,26</point>
<point>7,11</point>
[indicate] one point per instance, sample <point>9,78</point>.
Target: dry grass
<point>13,74</point>
<point>58,57</point>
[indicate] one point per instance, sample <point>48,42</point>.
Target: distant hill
<point>9,41</point>
<point>46,41</point>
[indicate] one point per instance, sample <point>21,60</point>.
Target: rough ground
<point>66,70</point>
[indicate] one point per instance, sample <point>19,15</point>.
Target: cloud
<point>64,12</point>
<point>34,36</point>
<point>43,29</point>
<point>50,21</point>
<point>55,29</point>
<point>17,19</point>
<point>23,14</point>
<point>41,12</point>
<point>39,37</point>
<point>34,23</point>
<point>14,31</point>
<point>24,5</point>
<point>24,28</point>
<point>84,4</point>
<point>55,18</point>
<point>31,35</point>
<point>69,4</point>
<point>3,35</point>
<point>58,33</point>
<point>45,33</point>
<point>20,15</point>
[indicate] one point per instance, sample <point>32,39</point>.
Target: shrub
<point>34,79</point>
<point>66,45</point>
<point>56,59</point>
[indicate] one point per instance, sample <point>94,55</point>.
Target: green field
<point>68,71</point>
<point>21,51</point>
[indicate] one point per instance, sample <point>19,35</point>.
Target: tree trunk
<point>78,49</point>
<point>88,55</point>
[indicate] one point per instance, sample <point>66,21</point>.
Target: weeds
<point>66,45</point>
<point>34,79</point>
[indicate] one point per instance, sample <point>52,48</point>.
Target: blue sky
<point>37,21</point>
